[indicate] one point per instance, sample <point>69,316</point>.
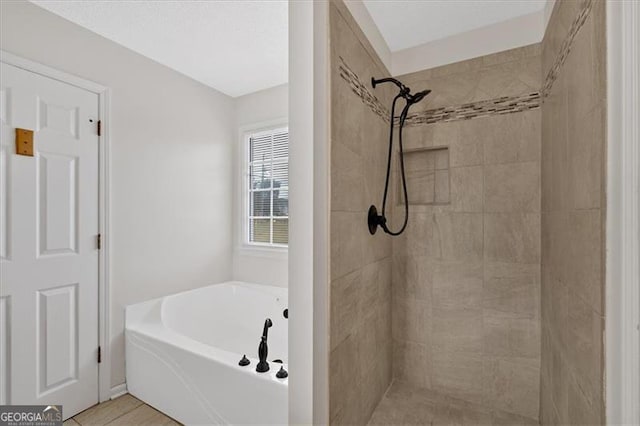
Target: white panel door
<point>48,244</point>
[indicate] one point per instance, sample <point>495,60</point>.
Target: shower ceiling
<point>406,24</point>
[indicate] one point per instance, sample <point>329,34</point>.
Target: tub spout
<point>263,349</point>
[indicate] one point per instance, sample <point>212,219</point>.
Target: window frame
<point>243,193</point>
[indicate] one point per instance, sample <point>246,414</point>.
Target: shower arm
<point>404,90</point>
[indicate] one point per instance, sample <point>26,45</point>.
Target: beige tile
<point>371,393</point>
<point>442,185</point>
<point>506,336</point>
<point>560,385</point>
<point>457,284</point>
<point>458,374</point>
<point>457,236</point>
<point>347,116</point>
<point>585,255</point>
<point>419,233</point>
<point>457,329</point>
<point>375,247</point>
<point>586,150</point>
<point>466,188</point>
<point>376,281</point>
<point>420,160</point>
<point>143,415</point>
<point>441,161</point>
<point>345,306</point>
<point>413,277</point>
<point>345,404</point>
<point>584,409</point>
<point>421,187</point>
<point>501,418</point>
<point>513,187</point>
<point>70,422</point>
<point>512,237</point>
<point>558,317</point>
<point>367,344</point>
<point>347,180</point>
<point>585,347</point>
<point>412,363</point>
<point>581,67</point>
<point>106,412</point>
<point>468,149</point>
<point>410,320</point>
<point>512,386</point>
<point>512,138</point>
<point>512,288</point>
<point>416,137</point>
<point>446,90</point>
<point>348,231</point>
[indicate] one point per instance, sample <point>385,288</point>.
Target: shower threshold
<point>405,404</point>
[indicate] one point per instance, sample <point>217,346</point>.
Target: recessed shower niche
<point>427,171</point>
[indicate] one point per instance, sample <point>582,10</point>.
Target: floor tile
<point>108,411</point>
<point>143,415</point>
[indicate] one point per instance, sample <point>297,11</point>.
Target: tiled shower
<point>488,308</point>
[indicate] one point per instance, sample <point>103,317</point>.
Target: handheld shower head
<point>414,99</point>
<point>374,219</point>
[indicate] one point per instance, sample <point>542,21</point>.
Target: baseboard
<point>118,390</point>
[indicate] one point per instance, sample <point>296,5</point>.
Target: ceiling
<point>409,23</point>
<point>236,47</point>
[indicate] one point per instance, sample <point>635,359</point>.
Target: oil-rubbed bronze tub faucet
<point>263,349</point>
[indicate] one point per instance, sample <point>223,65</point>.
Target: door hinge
<point>99,241</point>
<point>99,127</point>
<point>99,354</point>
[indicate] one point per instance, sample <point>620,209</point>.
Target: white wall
<point>309,210</point>
<point>257,266</point>
<point>171,168</point>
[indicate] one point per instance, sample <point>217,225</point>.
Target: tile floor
<point>124,410</point>
<point>404,404</point>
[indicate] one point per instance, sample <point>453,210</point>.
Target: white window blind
<point>268,191</point>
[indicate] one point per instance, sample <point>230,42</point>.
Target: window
<point>268,188</point>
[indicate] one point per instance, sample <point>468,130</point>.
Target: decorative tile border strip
<point>552,75</point>
<point>361,90</point>
<point>496,106</point>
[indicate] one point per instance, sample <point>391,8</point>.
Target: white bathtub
<point>182,354</point>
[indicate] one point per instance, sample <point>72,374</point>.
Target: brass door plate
<point>24,142</point>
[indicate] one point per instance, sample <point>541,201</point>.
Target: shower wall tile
<point>360,296</point>
<point>468,148</point>
<point>345,388</point>
<point>457,236</point>
<point>346,245</point>
<point>512,187</point>
<point>512,288</point>
<point>409,317</point>
<point>573,214</point>
<point>506,335</point>
<point>585,160</point>
<point>457,284</point>
<point>458,374</point>
<point>474,263</point>
<point>412,277</point>
<point>512,237</point>
<point>457,329</point>
<point>512,385</point>
<point>513,138</point>
<point>467,189</point>
<point>412,363</point>
<point>347,174</point>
